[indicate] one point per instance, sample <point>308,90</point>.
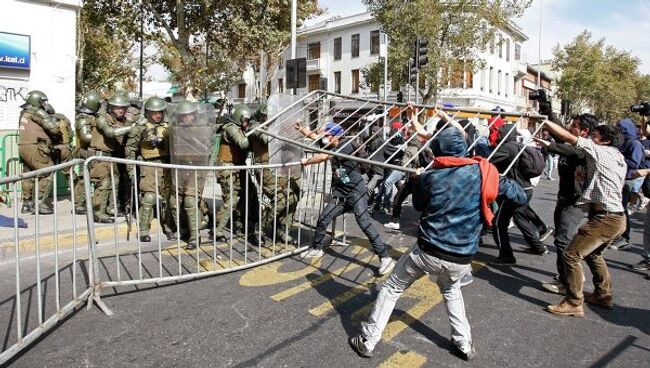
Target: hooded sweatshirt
<point>450,199</point>
<point>632,149</point>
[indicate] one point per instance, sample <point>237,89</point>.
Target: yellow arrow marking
<point>407,359</point>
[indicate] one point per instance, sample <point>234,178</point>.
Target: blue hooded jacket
<point>632,149</point>
<point>450,201</point>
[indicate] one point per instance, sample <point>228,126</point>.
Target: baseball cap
<point>334,129</point>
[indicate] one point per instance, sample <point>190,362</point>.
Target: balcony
<point>314,65</point>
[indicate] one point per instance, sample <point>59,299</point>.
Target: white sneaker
<point>466,279</point>
<point>554,287</point>
<point>644,203</point>
<point>392,226</point>
<point>312,253</point>
<point>387,265</point>
<point>511,224</point>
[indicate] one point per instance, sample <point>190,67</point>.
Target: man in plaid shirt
<point>606,169</point>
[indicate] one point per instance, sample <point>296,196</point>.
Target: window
<point>314,82</point>
<point>374,43</point>
<point>508,50</point>
<point>313,51</point>
<point>355,81</point>
<point>241,90</point>
<point>499,84</point>
<point>517,51</point>
<point>457,76</point>
<point>507,84</point>
<point>500,49</point>
<point>268,89</point>
<point>491,80</point>
<point>492,46</point>
<point>338,48</point>
<point>354,47</point>
<point>281,85</point>
<point>281,63</point>
<point>469,79</point>
<point>337,82</point>
<point>483,73</point>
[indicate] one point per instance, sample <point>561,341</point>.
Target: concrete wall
<point>52,27</point>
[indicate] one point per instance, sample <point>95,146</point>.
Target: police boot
<point>80,210</point>
<point>45,209</point>
<point>145,238</point>
<point>28,208</point>
<point>189,206</point>
<point>170,235</point>
<point>100,210</point>
<point>146,213</point>
<point>284,235</point>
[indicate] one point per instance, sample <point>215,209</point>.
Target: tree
<point>104,56</point>
<point>598,77</point>
<point>457,31</point>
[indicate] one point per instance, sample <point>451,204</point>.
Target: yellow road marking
<point>407,359</point>
<point>319,280</point>
<point>342,298</point>
<point>269,274</point>
<point>429,296</point>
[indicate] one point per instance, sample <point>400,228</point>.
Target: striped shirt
<point>606,169</point>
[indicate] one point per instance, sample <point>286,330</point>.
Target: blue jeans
<point>386,191</point>
<point>410,267</point>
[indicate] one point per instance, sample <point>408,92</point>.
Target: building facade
<point>338,49</point>
<point>37,51</point>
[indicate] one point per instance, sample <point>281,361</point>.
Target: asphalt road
<point>293,313</point>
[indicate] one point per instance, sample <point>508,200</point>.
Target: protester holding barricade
<point>349,193</point>
<point>449,230</point>
<point>521,170</point>
<point>393,152</point>
<point>149,141</point>
<point>567,216</point>
<point>602,197</point>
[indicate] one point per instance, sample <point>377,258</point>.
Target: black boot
<point>80,210</point>
<point>170,235</point>
<point>28,208</point>
<point>45,209</point>
<point>191,245</point>
<point>145,238</point>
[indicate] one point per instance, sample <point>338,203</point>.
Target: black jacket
<point>507,153</point>
<point>570,160</point>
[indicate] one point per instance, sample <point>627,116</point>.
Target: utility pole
<point>294,16</point>
<point>141,48</point>
<point>385,54</point>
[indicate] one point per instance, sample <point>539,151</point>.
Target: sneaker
<point>565,308</point>
<point>554,287</point>
<point>358,344</point>
<point>511,224</point>
<point>469,354</point>
<point>466,279</point>
<point>605,301</point>
<point>312,253</point>
<point>641,266</point>
<point>387,265</point>
<point>392,226</point>
<point>644,203</point>
<point>619,244</point>
<point>503,261</point>
<point>543,236</point>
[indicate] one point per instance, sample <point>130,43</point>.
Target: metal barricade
<point>45,258</point>
<point>10,164</point>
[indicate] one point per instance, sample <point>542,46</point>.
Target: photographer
<point>349,193</point>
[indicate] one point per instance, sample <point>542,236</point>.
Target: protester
<point>449,231</point>
<point>393,152</point>
<point>349,193</point>
<point>567,217</point>
<point>606,172</point>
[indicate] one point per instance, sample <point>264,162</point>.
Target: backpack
<point>531,163</point>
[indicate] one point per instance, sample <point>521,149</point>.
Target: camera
<point>642,108</point>
<point>538,95</point>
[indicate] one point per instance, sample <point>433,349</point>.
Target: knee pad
<point>105,184</point>
<point>148,199</point>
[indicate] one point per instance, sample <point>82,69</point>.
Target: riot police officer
<point>134,111</point>
<point>191,139</point>
<point>232,152</point>
<point>40,144</point>
<point>149,141</point>
<point>108,140</point>
<point>85,123</point>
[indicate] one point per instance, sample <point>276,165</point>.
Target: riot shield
<point>281,152</point>
<point>191,135</point>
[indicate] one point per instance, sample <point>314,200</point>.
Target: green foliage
<point>599,77</point>
<point>457,32</point>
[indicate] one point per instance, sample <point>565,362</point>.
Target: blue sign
<point>15,51</point>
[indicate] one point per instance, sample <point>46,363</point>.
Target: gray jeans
<point>410,267</point>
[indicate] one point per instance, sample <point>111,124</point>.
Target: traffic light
<point>421,46</point>
<point>413,70</point>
